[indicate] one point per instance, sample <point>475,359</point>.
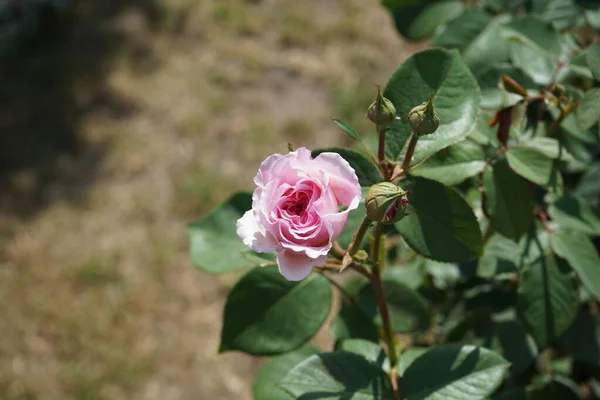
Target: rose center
<point>297,204</point>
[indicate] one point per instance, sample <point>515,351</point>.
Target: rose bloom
<point>299,209</point>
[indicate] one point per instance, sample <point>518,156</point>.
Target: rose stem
<point>410,151</point>
<point>383,309</point>
<point>381,147</point>
<point>358,236</point>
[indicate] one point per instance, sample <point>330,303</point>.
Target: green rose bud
<point>381,111</point>
<point>424,119</point>
<point>386,203</point>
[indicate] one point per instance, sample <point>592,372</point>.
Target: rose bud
<point>381,112</point>
<point>424,119</point>
<point>386,203</point>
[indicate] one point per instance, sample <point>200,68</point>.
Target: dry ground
<point>142,117</point>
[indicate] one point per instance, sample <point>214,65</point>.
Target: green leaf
<point>477,35</point>
<point>549,147</point>
<point>418,19</point>
<point>589,184</point>
<point>593,60</point>
<point>555,388</point>
<point>535,47</point>
<point>408,310</point>
<point>547,300</point>
<point>501,255</point>
<point>582,339</point>
<point>453,164</point>
<point>576,214</point>
<point>571,125</point>
<point>351,322</point>
<point>214,244</point>
<point>412,275</point>
<point>508,201</point>
<point>443,75</point>
<point>443,227</point>
<point>372,352</point>
<point>433,17</point>
<point>265,314</point>
<point>408,357</point>
<point>561,13</point>
<point>493,96</point>
<point>344,126</point>
<point>367,172</point>
<point>535,32</point>
<point>453,372</point>
<point>265,385</point>
<point>582,256</point>
<point>337,375</point>
<point>501,6</point>
<point>530,164</point>
<point>396,136</point>
<point>588,112</point>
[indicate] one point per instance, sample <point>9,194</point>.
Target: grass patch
<point>95,272</point>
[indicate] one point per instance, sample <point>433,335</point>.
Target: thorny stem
<point>383,309</point>
<point>381,146</point>
<point>410,151</point>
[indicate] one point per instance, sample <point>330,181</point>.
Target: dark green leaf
<point>501,255</point>
<point>338,375</point>
<point>265,385</point>
<point>453,372</point>
<point>418,19</point>
<point>367,172</point>
<point>589,184</point>
<point>549,147</point>
<point>593,59</point>
<point>352,323</point>
<point>576,214</point>
<point>477,35</point>
<point>453,164</point>
<point>443,75</point>
<point>214,244</point>
<point>396,137</point>
<point>372,352</point>
<point>408,357</point>
<point>434,16</point>
<point>408,310</point>
<point>555,388</point>
<point>530,164</point>
<point>588,112</point>
<point>582,339</point>
<point>535,47</point>
<point>581,254</point>
<point>508,201</point>
<point>500,6</point>
<point>493,96</point>
<point>561,13</point>
<point>265,314</point>
<point>443,227</point>
<point>547,300</point>
<point>412,275</point>
<point>347,128</point>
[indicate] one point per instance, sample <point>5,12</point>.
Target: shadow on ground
<point>53,77</point>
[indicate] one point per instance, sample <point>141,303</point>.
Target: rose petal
<point>342,178</point>
<point>297,266</point>
<point>253,235</point>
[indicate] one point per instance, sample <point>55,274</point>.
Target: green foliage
<point>488,287</point>
<point>265,314</point>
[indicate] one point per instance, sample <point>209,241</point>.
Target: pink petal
<point>342,178</point>
<point>253,234</point>
<point>297,266</point>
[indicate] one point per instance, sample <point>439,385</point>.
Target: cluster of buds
<point>386,202</point>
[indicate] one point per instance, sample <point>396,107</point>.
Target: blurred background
<point>120,122</point>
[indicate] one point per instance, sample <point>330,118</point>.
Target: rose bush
<point>299,209</point>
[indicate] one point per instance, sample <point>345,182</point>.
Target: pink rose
<point>299,209</point>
